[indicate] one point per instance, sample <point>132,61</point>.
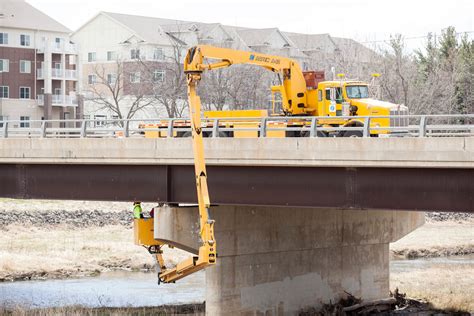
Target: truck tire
<point>319,134</point>
<point>352,134</point>
<point>205,134</point>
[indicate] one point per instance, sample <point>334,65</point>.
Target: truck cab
<point>351,98</point>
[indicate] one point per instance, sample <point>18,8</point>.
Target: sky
<point>363,20</point>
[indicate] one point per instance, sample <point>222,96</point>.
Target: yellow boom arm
<point>293,88</point>
<point>207,250</point>
<point>293,91</point>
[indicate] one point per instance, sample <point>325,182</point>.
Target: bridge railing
<point>443,125</point>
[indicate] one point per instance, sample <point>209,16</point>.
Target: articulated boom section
<point>293,91</point>
<point>144,227</point>
<point>207,251</point>
<point>293,85</point>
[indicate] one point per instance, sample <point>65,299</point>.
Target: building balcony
<point>58,74</point>
<point>58,100</point>
<point>57,48</point>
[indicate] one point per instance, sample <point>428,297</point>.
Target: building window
<point>111,79</point>
<point>25,121</point>
<point>24,40</point>
<point>158,76</point>
<point>135,54</point>
<point>135,77</point>
<point>91,57</point>
<point>72,59</point>
<point>158,54</point>
<point>4,38</point>
<point>25,66</point>
<point>91,79</point>
<point>4,65</point>
<point>111,56</point>
<point>4,92</point>
<point>57,42</point>
<point>100,120</point>
<point>24,92</point>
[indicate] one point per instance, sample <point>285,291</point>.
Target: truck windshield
<point>357,92</point>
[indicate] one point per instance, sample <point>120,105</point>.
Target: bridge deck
<point>397,174</point>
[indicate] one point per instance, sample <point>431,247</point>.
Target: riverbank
<point>445,286</point>
<point>437,238</point>
<point>63,239</point>
<point>69,239</point>
<point>185,309</point>
<point>35,253</point>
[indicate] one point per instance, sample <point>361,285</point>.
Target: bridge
<point>298,220</point>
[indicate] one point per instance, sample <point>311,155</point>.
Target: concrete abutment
<point>276,261</point>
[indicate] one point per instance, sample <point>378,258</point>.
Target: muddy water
<point>121,289</point>
<point>112,289</point>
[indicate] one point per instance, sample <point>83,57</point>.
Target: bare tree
<point>120,89</point>
<point>168,80</point>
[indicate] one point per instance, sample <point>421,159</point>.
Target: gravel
<point>78,218</point>
<point>446,216</point>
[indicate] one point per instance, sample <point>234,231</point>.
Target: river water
<point>111,289</point>
<point>134,289</point>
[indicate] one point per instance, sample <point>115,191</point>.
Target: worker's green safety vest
<point>137,211</point>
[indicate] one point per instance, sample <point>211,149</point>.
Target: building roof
<point>21,15</point>
<point>158,30</point>
<point>261,37</point>
<point>148,28</point>
<point>358,51</point>
<point>312,42</point>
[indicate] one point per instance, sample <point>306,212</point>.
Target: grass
<point>35,253</point>
<point>60,205</point>
<point>187,309</point>
<point>445,287</point>
<point>436,239</point>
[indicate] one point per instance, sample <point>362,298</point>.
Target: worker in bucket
<point>137,210</point>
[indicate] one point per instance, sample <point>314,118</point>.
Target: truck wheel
<point>352,134</point>
<point>186,134</point>
<point>320,134</point>
<point>205,134</point>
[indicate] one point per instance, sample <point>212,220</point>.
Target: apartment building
<point>127,50</point>
<point>38,66</point>
<point>112,40</point>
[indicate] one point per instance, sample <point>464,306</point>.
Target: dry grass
<point>61,252</point>
<point>59,205</point>
<point>445,286</point>
<point>187,309</point>
<point>437,239</point>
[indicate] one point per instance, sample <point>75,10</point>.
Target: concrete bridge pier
<point>276,261</point>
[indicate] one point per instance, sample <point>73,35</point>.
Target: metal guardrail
<point>417,126</point>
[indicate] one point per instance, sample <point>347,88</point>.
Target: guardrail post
<point>366,131</point>
<point>263,127</point>
<point>83,128</point>
<point>43,129</point>
<point>422,129</point>
<point>314,128</point>
<point>215,128</point>
<point>5,130</point>
<point>170,128</point>
<point>126,129</point>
